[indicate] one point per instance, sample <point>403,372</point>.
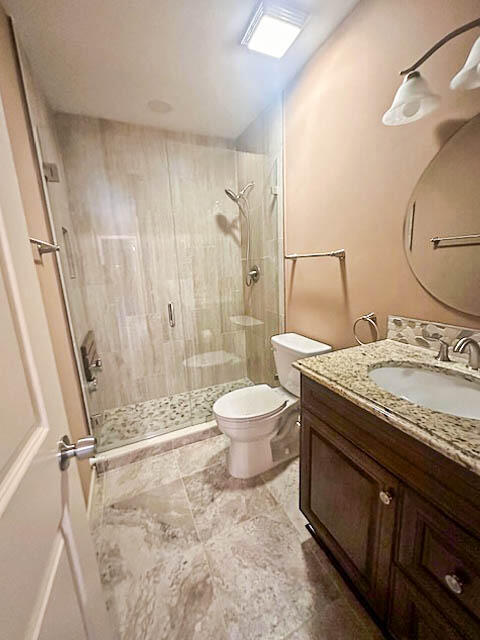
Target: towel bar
<point>339,253</point>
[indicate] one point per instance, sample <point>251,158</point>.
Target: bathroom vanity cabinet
<point>401,520</point>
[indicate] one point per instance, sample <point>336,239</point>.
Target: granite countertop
<point>346,373</point>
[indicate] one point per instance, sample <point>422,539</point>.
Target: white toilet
<point>251,417</point>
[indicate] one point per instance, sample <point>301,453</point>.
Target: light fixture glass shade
<point>413,101</point>
<point>469,76</point>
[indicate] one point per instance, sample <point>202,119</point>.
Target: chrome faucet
<point>442,355</point>
<point>473,351</point>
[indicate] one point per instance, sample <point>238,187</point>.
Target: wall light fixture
<point>414,99</point>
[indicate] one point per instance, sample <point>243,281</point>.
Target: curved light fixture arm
<point>440,43</point>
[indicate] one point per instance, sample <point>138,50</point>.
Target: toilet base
<point>248,459</point>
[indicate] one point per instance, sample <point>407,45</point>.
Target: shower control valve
<point>253,276</point>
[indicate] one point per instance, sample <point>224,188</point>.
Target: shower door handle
<point>171,314</point>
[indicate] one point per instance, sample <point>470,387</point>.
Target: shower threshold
<point>134,422</point>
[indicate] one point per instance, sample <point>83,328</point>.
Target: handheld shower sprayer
<point>242,195</point>
<point>232,195</point>
<point>246,190</point>
<point>241,199</point>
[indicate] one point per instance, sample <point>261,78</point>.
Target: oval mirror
<point>442,225</point>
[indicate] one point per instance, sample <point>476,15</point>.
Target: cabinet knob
<point>386,497</point>
<point>454,583</point>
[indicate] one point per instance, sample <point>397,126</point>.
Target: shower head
<point>243,193</point>
<point>246,189</point>
<point>232,195</point>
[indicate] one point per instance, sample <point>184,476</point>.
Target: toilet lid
<point>248,403</point>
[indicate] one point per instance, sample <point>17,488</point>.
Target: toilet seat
<point>249,404</point>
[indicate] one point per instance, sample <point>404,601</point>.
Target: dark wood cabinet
<point>401,520</point>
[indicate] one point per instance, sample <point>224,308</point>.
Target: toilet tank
<point>288,347</point>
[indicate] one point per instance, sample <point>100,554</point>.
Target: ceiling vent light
<point>274,28</point>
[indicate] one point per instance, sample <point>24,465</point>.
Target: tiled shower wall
<point>260,158</point>
<point>150,224</point>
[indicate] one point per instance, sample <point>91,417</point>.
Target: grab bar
<point>339,253</point>
<point>44,247</point>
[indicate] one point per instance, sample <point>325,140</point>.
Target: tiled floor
<point>134,421</point>
<point>188,552</point>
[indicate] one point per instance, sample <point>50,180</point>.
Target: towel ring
<point>371,318</point>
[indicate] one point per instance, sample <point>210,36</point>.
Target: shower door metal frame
<point>36,142</point>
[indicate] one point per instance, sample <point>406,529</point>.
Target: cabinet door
<point>413,617</point>
<point>350,501</point>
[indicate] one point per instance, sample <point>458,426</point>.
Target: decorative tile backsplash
<point>425,333</point>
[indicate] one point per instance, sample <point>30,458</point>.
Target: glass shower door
<point>113,220</point>
<point>208,241</point>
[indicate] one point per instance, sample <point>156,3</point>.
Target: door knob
<point>84,448</point>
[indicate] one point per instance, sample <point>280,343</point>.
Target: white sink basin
<point>431,389</point>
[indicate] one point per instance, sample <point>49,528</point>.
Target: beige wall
<point>260,159</point>
<point>349,178</point>
<point>38,227</point>
<point>150,223</point>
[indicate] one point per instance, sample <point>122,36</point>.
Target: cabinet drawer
<point>413,617</point>
<point>442,559</point>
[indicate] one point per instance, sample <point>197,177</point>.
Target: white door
<point>49,581</point>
